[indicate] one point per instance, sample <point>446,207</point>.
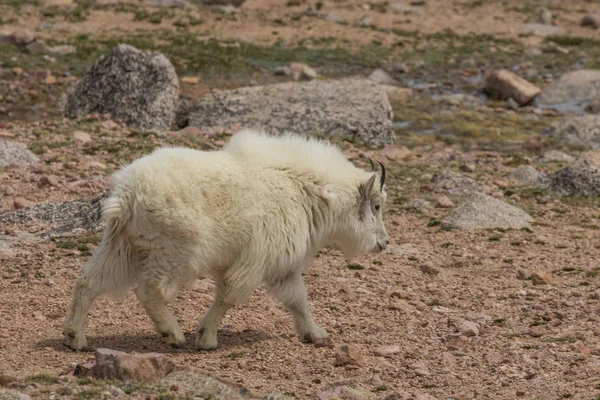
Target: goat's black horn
<point>372,165</point>
<point>382,179</point>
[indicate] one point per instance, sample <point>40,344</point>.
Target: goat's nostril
<point>387,241</point>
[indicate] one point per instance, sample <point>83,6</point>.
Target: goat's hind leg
<point>291,291</point>
<point>152,298</point>
<point>84,294</point>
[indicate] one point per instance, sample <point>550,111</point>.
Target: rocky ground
<point>485,113</point>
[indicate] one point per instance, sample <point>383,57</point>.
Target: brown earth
<point>533,341</point>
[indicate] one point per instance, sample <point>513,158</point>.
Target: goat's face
<point>364,230</point>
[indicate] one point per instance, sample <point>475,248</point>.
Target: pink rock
<point>396,152</point>
<point>148,367</point>
<point>387,351</point>
<point>20,202</point>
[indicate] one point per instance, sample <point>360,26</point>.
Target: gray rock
<point>591,20</point>
<point>13,154</point>
<point>572,91</point>
<point>555,156</point>
<point>582,131</point>
<point>458,99</point>
<point>136,87</point>
<point>61,217</point>
<point>540,30</point>
<point>401,8</point>
<point>541,15</point>
<point>235,3</point>
<point>455,184</point>
<point>332,17</point>
<point>525,175</point>
<point>355,109</point>
<point>196,385</point>
<point>580,178</point>
<point>9,394</point>
<point>383,78</point>
<point>63,49</point>
<point>480,211</point>
<point>169,3</point>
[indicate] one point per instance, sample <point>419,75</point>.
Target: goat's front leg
<point>291,291</point>
<point>209,325</point>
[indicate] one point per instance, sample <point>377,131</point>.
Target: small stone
<point>556,156</point>
<point>523,275</point>
<point>445,202</point>
<point>525,175</point>
<point>7,190</point>
<point>283,71</point>
<point>591,20</point>
<point>376,380</point>
<point>387,351</point>
<point>396,152</point>
<point>82,370</point>
<point>21,37</point>
<point>82,137</point>
<point>20,202</point>
<point>64,49</point>
<point>428,269</point>
<point>303,71</point>
<point>49,180</point>
<point>501,183</point>
<point>383,78</point>
<point>467,167</point>
<point>193,80</point>
<point>535,332</point>
<point>37,47</point>
<point>542,278</point>
<point>401,8</point>
<point>520,393</point>
<point>468,328</point>
<point>542,15</point>
<point>97,165</point>
<point>581,177</point>
<point>109,124</point>
<point>348,354</point>
<point>504,84</point>
<point>542,30</point>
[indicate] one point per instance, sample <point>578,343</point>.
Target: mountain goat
<point>255,212</point>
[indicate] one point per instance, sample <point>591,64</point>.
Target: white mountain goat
<point>255,212</point>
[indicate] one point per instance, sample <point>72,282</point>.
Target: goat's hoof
<point>204,343</point>
<point>177,345</point>
<point>75,343</point>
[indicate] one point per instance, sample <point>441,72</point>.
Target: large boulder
<point>580,178</point>
<point>136,87</point>
<point>13,154</point>
<point>354,108</point>
<point>61,218</point>
<point>581,131</point>
<point>480,211</point>
<point>573,91</point>
<point>144,367</point>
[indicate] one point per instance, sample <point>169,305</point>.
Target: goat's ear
<point>366,188</point>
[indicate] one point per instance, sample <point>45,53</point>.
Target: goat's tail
<point>111,267</point>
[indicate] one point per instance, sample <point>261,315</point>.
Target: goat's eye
<point>377,207</point>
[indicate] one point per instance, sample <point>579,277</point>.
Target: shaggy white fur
<point>255,212</point>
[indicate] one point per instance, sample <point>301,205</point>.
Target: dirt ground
<point>533,341</point>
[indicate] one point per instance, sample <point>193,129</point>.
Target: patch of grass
<point>500,321</point>
<point>355,267</point>
<point>495,238</point>
<point>235,355</point>
<point>377,262</point>
<point>562,339</point>
<point>434,222</point>
<point>67,244</point>
<point>447,244</point>
<point>90,393</point>
<point>45,379</point>
<point>381,388</point>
